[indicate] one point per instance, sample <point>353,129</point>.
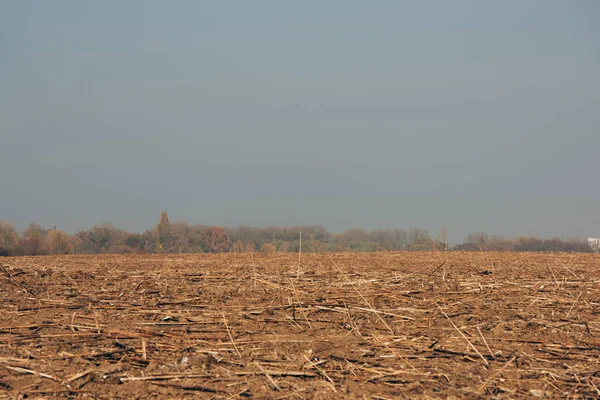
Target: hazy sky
<point>481,115</point>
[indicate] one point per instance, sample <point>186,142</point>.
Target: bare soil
<point>374,326</point>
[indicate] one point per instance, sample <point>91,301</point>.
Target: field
<point>370,325</point>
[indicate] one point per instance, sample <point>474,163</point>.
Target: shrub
<point>268,248</point>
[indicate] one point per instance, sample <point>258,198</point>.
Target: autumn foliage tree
<point>268,248</point>
<point>238,247</point>
<point>181,237</point>
<point>58,242</point>
<point>216,240</point>
<point>33,240</point>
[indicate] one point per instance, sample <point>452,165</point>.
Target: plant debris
<point>342,325</point>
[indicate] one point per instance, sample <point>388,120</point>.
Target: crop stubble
<point>343,325</point>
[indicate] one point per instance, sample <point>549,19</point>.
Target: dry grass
<point>384,325</point>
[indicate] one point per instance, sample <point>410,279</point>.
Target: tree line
<point>181,237</point>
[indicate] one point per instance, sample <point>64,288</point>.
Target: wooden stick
<point>463,335</point>
<point>553,276</point>
<point>231,337</point>
<point>300,255</point>
<point>275,385</point>
<point>40,374</point>
<point>300,304</point>
<point>253,268</point>
<point>80,375</point>
<point>322,373</point>
<point>73,322</point>
<point>144,354</point>
<point>483,385</point>
<point>486,343</point>
<point>363,298</point>
<point>573,305</point>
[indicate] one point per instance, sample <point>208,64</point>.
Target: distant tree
<point>250,247</point>
<point>238,247</point>
<point>9,239</point>
<point>184,238</point>
<point>400,237</point>
<point>282,237</point>
<point>282,246</point>
<point>364,246</point>
<point>268,248</point>
<point>33,240</point>
<point>180,237</point>
<point>441,241</point>
<point>355,235</point>
<point>478,241</point>
<point>528,243</point>
<point>341,247</point>
<point>163,233</point>
<point>419,240</point>
<point>578,246</point>
<point>103,239</point>
<point>137,243</point>
<point>318,233</point>
<point>58,242</point>
<point>216,240</point>
<point>315,245</point>
<point>246,234</point>
<point>386,239</point>
<point>484,242</point>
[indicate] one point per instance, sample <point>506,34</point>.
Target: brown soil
<point>379,326</point>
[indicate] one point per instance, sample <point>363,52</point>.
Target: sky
<point>476,115</point>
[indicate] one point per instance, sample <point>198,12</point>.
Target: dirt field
<point>375,326</point>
